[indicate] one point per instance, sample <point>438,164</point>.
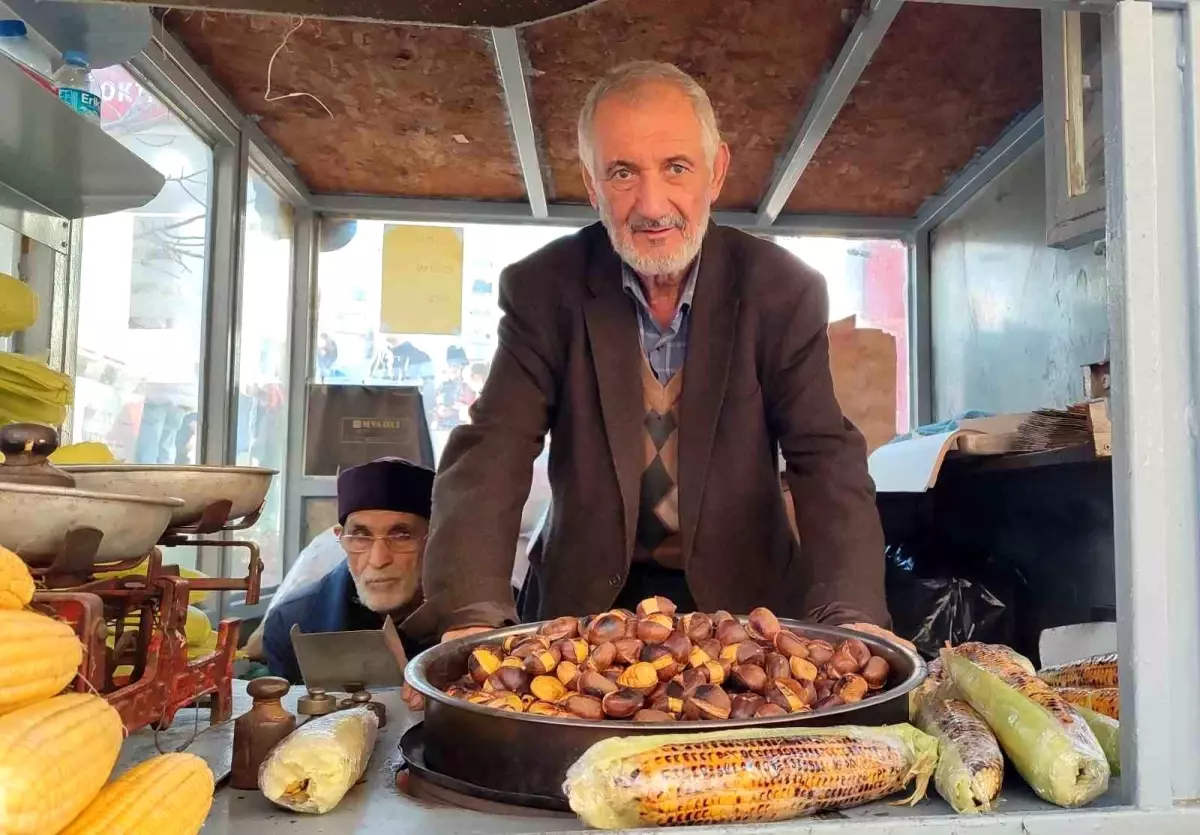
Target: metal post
<point>1153,455</point>
<point>920,331</point>
<point>304,306</point>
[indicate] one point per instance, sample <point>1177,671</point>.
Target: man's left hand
<point>413,699</point>
<point>879,632</point>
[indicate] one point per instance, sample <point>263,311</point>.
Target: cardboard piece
<point>862,362</point>
<point>911,465</point>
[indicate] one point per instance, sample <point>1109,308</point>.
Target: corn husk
<point>1108,734</point>
<point>32,393</point>
<point>754,775</point>
<point>1060,758</point>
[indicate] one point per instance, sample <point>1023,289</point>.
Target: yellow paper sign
<point>422,280</point>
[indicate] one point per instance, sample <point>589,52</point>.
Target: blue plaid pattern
<point>666,349</point>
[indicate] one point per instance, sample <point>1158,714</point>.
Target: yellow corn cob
<point>167,795</point>
<point>16,584</point>
<point>54,758</point>
<point>1097,671</point>
<point>18,305</point>
<point>1104,700</point>
<point>748,775</point>
<point>314,767</point>
<point>1108,734</point>
<point>994,655</point>
<point>39,656</point>
<point>970,767</point>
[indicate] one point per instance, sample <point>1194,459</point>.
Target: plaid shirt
<point>665,348</point>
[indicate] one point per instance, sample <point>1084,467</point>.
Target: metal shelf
<point>108,33</point>
<point>54,161</point>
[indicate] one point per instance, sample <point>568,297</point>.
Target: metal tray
<point>198,487</point>
<point>523,754</point>
<point>35,521</point>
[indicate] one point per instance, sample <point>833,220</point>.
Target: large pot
<point>517,752</point>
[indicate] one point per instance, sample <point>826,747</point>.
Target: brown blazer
<point>757,383</point>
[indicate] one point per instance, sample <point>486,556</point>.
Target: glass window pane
<point>868,280</point>
<point>449,369</point>
<point>142,291</point>
<point>263,367</point>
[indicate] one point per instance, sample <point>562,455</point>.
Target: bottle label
<point>82,102</point>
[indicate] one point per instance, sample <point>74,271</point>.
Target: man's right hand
<point>465,631</point>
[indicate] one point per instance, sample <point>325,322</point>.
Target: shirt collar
<point>633,286</point>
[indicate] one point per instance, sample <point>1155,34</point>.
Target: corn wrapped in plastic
<point>314,767</point>
<point>755,775</point>
<point>1108,734</point>
<point>970,769</point>
<point>1105,700</point>
<point>1050,745</point>
<point>1097,671</point>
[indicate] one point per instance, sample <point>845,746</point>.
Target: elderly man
<point>671,361</point>
<point>383,520</point>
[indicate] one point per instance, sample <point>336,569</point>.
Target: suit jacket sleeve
<point>487,467</point>
<point>841,539</point>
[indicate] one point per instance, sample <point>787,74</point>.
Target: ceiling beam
<point>510,59</point>
<point>1010,147</point>
<point>832,93</point>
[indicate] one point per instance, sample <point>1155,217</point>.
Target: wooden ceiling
<point>419,111</point>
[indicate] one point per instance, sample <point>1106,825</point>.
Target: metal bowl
<point>520,753</point>
<point>197,487</point>
<point>35,519</point>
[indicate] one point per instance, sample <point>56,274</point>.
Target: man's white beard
<point>666,264</point>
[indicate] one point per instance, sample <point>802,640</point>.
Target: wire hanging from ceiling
<point>271,66</point>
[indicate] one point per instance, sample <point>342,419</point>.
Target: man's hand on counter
<point>879,632</point>
<point>465,631</point>
<point>413,699</point>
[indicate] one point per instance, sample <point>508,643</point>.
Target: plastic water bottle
<point>14,43</point>
<point>74,81</point>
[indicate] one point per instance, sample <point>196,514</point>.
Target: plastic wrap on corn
<point>1108,734</point>
<point>1106,700</point>
<point>1097,671</point>
<point>970,767</point>
<point>314,767</point>
<point>745,775</point>
<point>1050,745</point>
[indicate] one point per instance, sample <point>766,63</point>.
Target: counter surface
<point>377,807</point>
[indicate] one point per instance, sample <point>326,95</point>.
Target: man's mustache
<point>646,224</point>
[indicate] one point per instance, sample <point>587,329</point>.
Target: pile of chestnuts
<point>652,666</point>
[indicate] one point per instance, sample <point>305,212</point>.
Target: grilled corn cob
<point>1050,745</point>
<point>16,583</point>
<point>38,657</point>
<point>54,758</point>
<point>970,767</point>
<point>995,657</point>
<point>1097,671</point>
<point>1108,734</point>
<point>1105,700</point>
<point>167,795</point>
<point>311,770</point>
<point>746,775</point>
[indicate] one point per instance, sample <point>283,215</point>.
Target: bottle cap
<point>75,58</point>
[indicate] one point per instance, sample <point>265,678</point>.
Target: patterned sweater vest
<point>658,538</point>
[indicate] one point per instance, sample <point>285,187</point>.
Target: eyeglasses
<point>397,544</point>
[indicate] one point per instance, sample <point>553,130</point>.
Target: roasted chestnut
<point>721,615</point>
<point>656,605</point>
<point>571,649</point>
<point>640,676</point>
<point>788,694</point>
<point>769,709</point>
<point>603,656</point>
<point>697,626</point>
<point>567,672</point>
<point>876,672</point>
<point>541,662</point>
<point>693,678</point>
<point>747,652</point>
<point>511,641</point>
<point>802,669</point>
<point>547,688</point>
<point>762,624</point>
<point>650,715</point>
<point>790,644</point>
<point>679,645</point>
<point>843,663</point>
<point>511,679</point>
<point>559,628</point>
<point>745,705</point>
<point>857,650</point>
<point>654,629</point>
<point>776,666</point>
<point>819,652</point>
<point>528,647</point>
<point>718,671</point>
<point>585,707</point>
<point>823,687</point>
<point>662,660</point>
<point>708,702</point>
<point>506,701</point>
<point>591,683</point>
<point>829,701</point>
<point>613,673</point>
<point>699,656</point>
<point>751,677</point>
<point>731,632</point>
<point>514,662</point>
<point>608,627</point>
<point>544,709</point>
<point>622,704</point>
<point>851,688</point>
<point>482,662</point>
<point>629,650</point>
<point>672,701</point>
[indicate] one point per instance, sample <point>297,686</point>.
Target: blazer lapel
<point>706,373</point>
<point>612,332</point>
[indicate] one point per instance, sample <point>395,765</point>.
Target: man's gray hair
<point>627,78</point>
